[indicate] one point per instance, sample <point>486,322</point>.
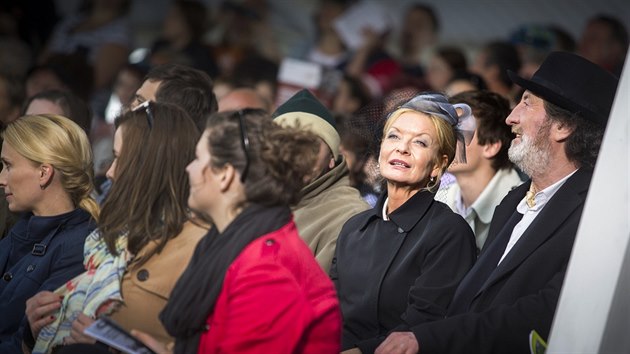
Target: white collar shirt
<point>529,214</point>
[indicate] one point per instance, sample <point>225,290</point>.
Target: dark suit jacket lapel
<point>504,211</point>
<point>569,197</point>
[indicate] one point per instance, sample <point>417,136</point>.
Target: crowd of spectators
<point>389,193</point>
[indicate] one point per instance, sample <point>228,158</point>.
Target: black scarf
<point>197,290</point>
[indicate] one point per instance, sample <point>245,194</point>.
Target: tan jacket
<point>146,289</point>
<point>326,204</point>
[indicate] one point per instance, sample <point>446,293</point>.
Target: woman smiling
<point>400,263</point>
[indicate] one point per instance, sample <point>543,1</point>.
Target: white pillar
<point>593,315</point>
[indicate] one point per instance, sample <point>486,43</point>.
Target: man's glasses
<point>244,142</point>
<point>146,105</point>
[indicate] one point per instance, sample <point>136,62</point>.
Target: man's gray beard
<point>530,155</point>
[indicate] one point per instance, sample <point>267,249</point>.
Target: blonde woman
<point>400,263</point>
<point>47,177</point>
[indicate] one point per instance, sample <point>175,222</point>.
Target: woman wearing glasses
<point>144,239</point>
<point>47,177</point>
<point>400,263</point>
<point>252,286</point>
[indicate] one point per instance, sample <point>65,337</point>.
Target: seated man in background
<point>488,175</point>
<point>183,86</point>
<point>328,200</point>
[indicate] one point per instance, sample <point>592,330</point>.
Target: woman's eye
<point>392,136</point>
<point>420,142</point>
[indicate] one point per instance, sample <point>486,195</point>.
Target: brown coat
<point>326,204</point>
<point>146,289</point>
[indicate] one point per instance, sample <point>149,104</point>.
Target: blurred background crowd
<point>100,50</point>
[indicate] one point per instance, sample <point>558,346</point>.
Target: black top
<point>399,273</point>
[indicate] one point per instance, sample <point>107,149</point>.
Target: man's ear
<point>560,131</point>
<point>46,174</point>
<point>490,150</point>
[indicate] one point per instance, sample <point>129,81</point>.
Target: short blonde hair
<point>447,141</point>
<point>58,141</point>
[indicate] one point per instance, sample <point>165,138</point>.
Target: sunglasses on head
<point>146,105</point>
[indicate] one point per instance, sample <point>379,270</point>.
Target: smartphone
<point>105,330</point>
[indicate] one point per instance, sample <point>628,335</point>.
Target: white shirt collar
<point>385,217</point>
<point>542,197</point>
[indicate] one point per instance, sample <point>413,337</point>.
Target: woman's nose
<point>3,177</point>
<point>402,147</point>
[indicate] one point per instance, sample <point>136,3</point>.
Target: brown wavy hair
<point>149,195</point>
<point>280,159</point>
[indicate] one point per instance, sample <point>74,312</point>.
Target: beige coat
<point>146,289</point>
<point>326,204</point>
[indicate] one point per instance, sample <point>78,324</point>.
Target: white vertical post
<point>593,314</point>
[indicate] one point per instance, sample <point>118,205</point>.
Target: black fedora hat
<point>573,83</point>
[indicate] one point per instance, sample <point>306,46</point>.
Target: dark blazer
<point>400,272</point>
<point>521,294</point>
<point>28,269</point>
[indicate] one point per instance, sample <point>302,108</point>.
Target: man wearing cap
<point>514,287</point>
<point>328,201</point>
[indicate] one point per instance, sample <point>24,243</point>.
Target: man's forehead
<point>530,94</point>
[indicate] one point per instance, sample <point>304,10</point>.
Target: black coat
<point>393,274</point>
<point>521,294</point>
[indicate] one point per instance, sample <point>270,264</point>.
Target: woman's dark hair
<point>277,160</point>
<point>582,146</point>
<point>72,106</point>
<point>149,196</point>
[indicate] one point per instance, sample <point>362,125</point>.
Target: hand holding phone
<point>107,331</point>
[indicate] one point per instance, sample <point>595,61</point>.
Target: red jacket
<point>275,299</point>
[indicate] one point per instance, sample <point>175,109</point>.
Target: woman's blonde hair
<point>446,139</point>
<point>58,141</point>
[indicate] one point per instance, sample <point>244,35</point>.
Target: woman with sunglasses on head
<point>47,177</point>
<point>144,239</point>
<point>253,285</point>
<point>400,263</point>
